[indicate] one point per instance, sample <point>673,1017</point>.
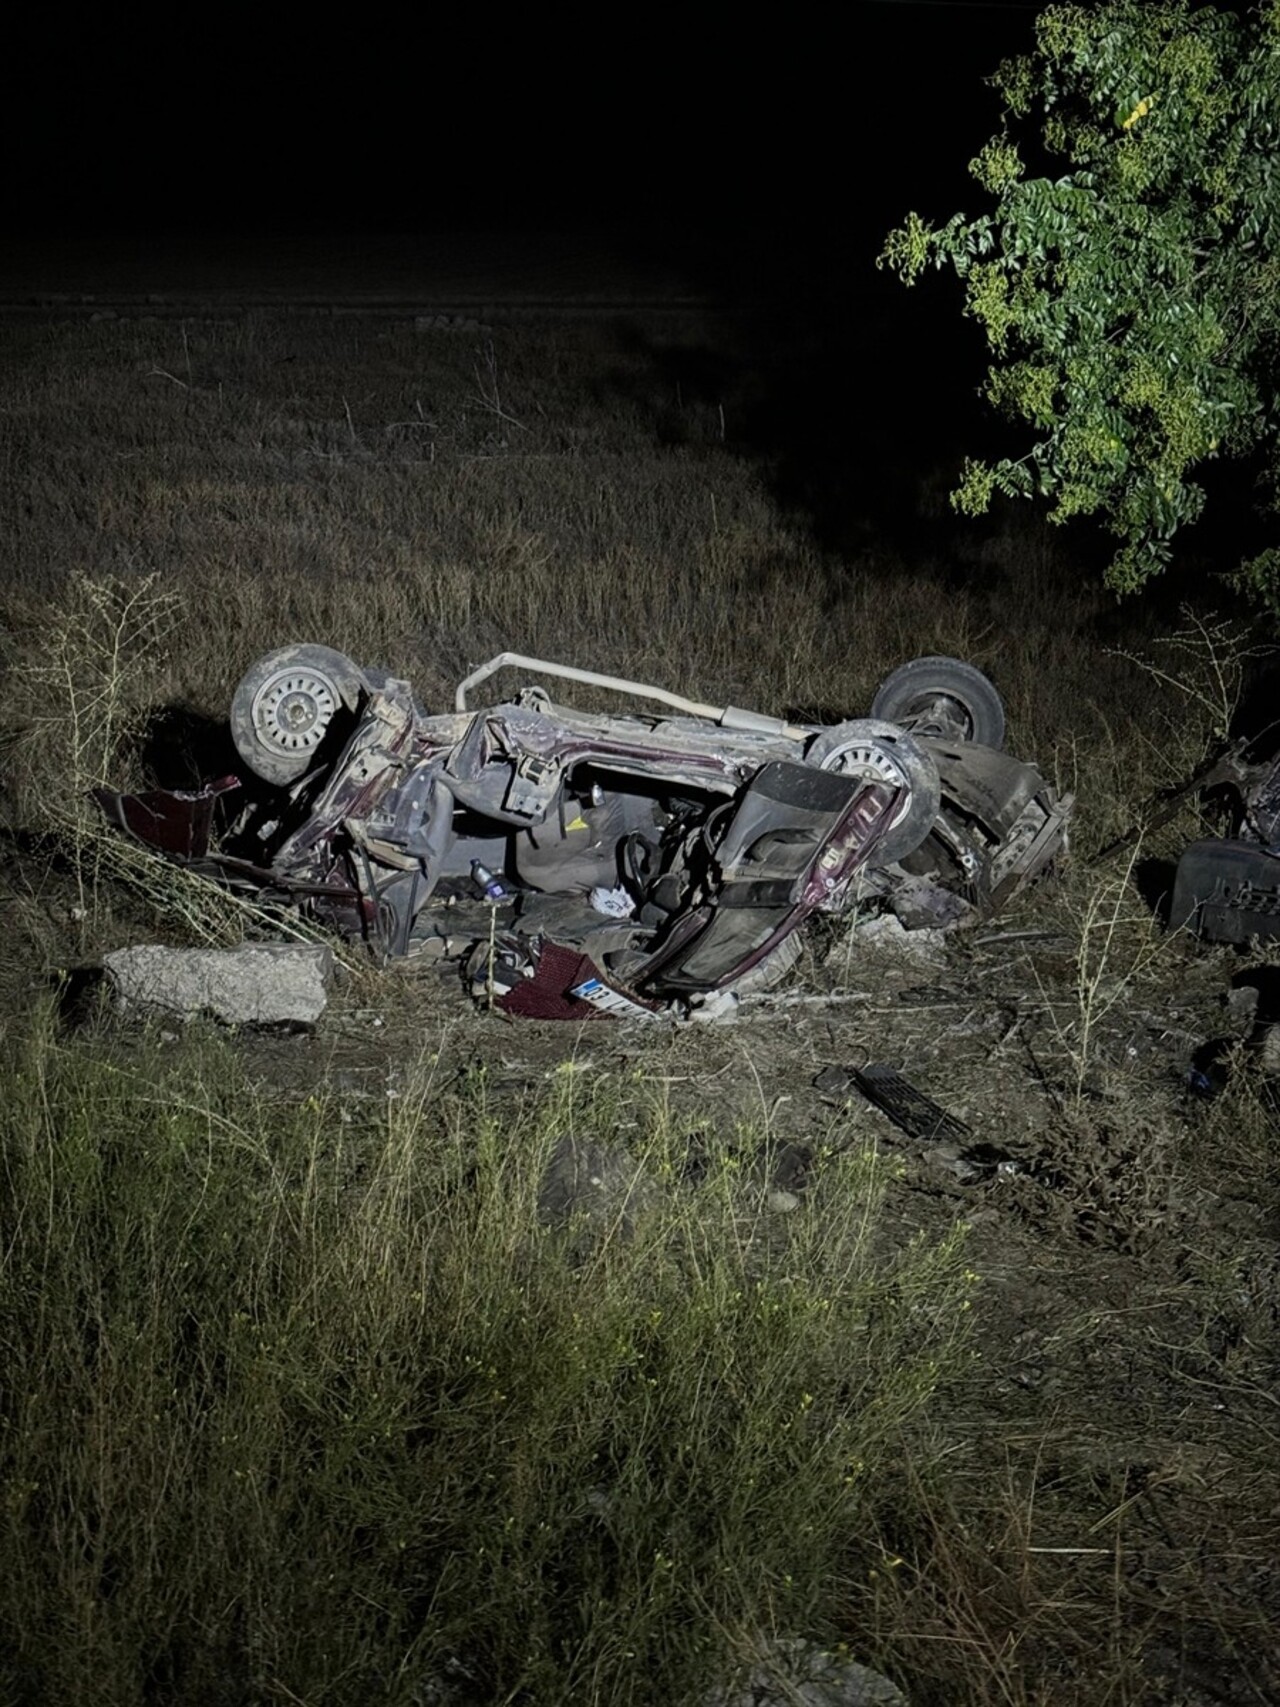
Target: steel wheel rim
<point>870,760</point>
<point>292,710</point>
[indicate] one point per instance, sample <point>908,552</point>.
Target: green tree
<point>1132,304</point>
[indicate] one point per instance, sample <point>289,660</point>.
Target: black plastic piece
<point>1227,891</point>
<point>909,1109</point>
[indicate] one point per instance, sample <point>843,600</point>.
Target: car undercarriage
<point>574,862</point>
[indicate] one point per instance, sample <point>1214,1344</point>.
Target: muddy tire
<point>286,704</point>
<point>944,698</point>
<point>882,752</point>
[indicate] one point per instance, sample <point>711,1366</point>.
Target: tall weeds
<point>294,1410</point>
<point>81,678</point>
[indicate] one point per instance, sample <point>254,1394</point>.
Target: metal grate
<point>909,1109</point>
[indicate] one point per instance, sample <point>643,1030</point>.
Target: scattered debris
<point>1253,1005</point>
<point>1227,891</point>
<point>947,1142</point>
<point>717,1007</point>
<point>259,984</point>
<point>1225,769</point>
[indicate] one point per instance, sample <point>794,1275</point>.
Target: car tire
<point>945,698</point>
<point>285,706</point>
<point>882,752</point>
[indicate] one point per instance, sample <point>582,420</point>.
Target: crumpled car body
<point>1227,889</point>
<point>581,862</point>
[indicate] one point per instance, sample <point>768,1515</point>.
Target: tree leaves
<point>1132,303</point>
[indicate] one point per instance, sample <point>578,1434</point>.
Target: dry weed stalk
<point>83,689</point>
<point>1204,662</point>
<point>80,689</point>
<point>90,665</point>
<point>191,905</point>
<point>1117,946</point>
<point>488,392</point>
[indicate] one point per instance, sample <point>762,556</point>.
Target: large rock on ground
<point>259,984</point>
<point>796,1673</point>
<point>599,1187</point>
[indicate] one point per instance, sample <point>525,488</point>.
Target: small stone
<point>717,1007</point>
<point>889,936</point>
<point>795,1673</point>
<point>782,1202</point>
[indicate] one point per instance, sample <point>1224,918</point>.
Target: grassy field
<point>306,1397</point>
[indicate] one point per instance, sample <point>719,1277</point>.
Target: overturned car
<point>577,861</point>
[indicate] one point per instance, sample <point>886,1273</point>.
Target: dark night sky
<point>675,134</point>
<point>619,153</point>
<point>442,156</point>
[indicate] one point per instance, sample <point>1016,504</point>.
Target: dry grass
<point>289,1465</point>
<point>288,487</point>
<point>311,1401</point>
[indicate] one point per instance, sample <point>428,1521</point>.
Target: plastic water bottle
<point>491,887</point>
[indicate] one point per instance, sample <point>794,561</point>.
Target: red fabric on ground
<point>546,994</point>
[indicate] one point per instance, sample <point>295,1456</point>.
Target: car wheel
<point>285,705</point>
<point>945,698</point>
<point>881,752</point>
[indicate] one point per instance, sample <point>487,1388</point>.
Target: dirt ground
<point>1116,1170</point>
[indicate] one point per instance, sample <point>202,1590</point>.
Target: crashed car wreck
<point>1227,889</point>
<point>579,863</point>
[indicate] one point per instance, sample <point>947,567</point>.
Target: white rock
<point>794,1673</point>
<point>888,935</point>
<point>258,984</point>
